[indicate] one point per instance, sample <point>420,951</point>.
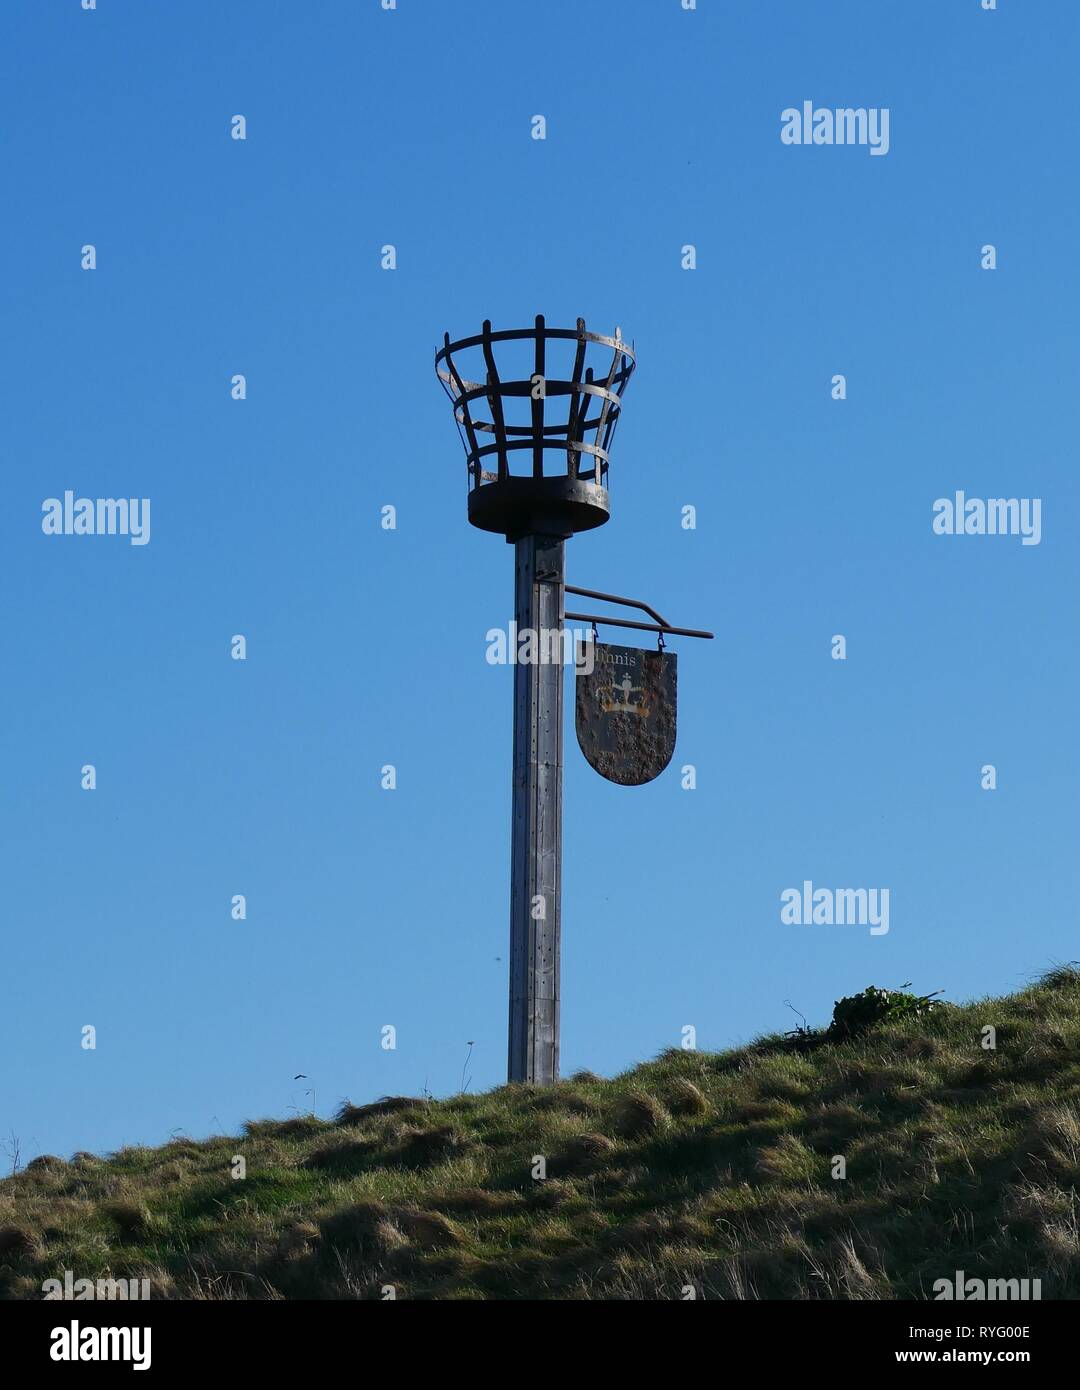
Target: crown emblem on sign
<point>615,699</point>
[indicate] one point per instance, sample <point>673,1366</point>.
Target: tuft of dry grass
<point>339,1158</point>
<point>46,1163</point>
<point>366,1229</point>
<point>789,1160</point>
<point>19,1242</point>
<point>297,1241</point>
<point>430,1230</point>
<point>423,1148</point>
<point>684,1098</point>
<point>585,1152</point>
<point>558,1098</point>
<point>637,1113</point>
<point>350,1114</point>
<point>129,1218</point>
<point>296,1127</point>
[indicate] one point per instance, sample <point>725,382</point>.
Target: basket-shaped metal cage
<point>538,437</point>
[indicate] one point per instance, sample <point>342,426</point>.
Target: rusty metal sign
<point>626,708</point>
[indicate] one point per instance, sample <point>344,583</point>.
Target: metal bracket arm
<point>661,624</point>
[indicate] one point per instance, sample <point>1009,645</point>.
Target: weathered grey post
<point>537,508</point>
<point>536,850</point>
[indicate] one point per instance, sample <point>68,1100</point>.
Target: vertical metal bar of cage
<point>586,398</point>
<point>601,437</point>
<point>473,449</point>
<point>573,432</point>
<point>538,402</point>
<point>495,399</point>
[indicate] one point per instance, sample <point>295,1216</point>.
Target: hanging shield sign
<point>626,704</point>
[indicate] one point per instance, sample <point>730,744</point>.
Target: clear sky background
<point>365,647</point>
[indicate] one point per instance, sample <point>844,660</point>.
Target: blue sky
<point>366,647</point>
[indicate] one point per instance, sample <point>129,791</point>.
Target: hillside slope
<point>711,1170</point>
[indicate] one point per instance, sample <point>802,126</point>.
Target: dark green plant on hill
<point>856,1013</point>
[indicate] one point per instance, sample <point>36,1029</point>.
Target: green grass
<point>706,1170</point>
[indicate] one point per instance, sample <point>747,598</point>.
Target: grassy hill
<point>711,1170</point>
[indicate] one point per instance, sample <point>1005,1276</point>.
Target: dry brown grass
<point>350,1114</point>
<point>637,1113</point>
<point>129,1218</point>
<point>684,1098</point>
<point>584,1153</point>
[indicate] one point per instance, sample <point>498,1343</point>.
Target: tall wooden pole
<point>536,855</point>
